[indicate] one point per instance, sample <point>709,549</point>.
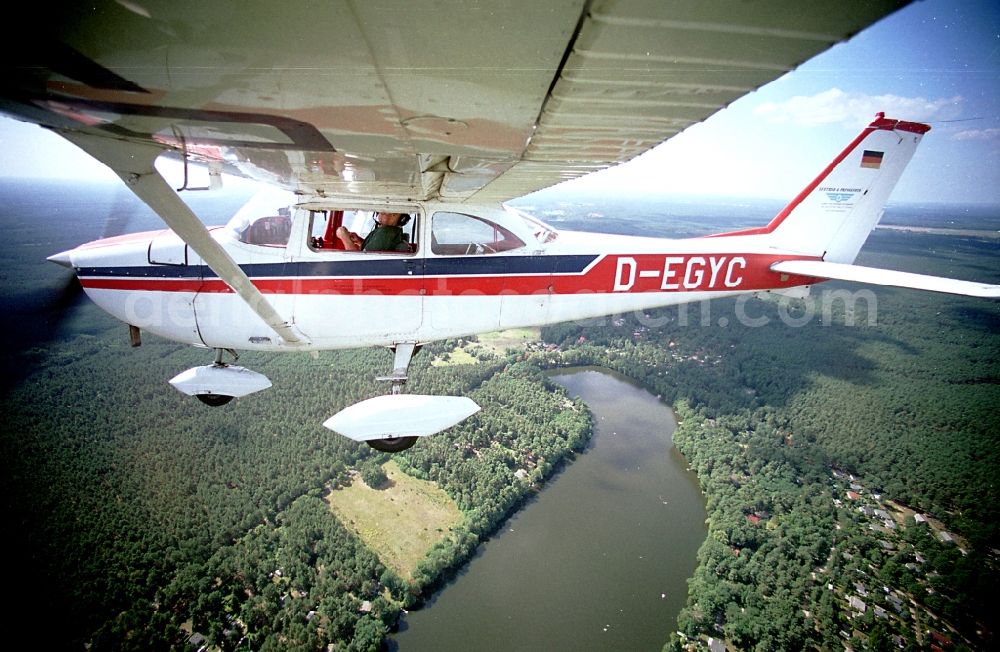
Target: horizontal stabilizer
<point>401,415</point>
<point>875,276</point>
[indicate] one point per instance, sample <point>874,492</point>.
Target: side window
<point>265,220</point>
<point>268,231</point>
<point>321,224</point>
<point>324,225</point>
<point>458,234</point>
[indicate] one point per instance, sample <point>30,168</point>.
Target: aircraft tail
<point>832,217</point>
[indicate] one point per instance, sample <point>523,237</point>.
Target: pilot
<point>386,236</point>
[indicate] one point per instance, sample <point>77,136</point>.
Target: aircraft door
<point>257,240</point>
<point>349,297</point>
<point>172,314</point>
<point>467,273</point>
<point>527,298</point>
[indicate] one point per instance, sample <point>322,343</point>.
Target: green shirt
<point>383,238</point>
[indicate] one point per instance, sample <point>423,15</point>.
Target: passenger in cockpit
<point>386,236</point>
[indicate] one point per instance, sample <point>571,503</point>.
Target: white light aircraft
<point>437,111</point>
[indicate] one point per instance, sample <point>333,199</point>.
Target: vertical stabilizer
<point>834,214</point>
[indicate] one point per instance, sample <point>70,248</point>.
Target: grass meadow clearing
<point>400,521</point>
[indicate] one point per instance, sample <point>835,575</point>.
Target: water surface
<point>599,560</point>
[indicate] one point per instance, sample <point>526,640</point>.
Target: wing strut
<point>133,162</point>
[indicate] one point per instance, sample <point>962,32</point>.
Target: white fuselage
<point>341,299</point>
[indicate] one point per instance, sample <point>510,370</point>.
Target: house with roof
<point>715,645</point>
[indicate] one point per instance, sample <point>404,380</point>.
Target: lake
<point>598,559</point>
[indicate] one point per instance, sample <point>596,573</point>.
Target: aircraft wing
<point>416,99</point>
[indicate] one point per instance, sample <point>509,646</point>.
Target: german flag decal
<point>871,159</point>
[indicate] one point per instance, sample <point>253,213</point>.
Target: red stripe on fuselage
<point>613,273</point>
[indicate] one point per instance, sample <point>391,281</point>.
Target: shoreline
<point>930,230</point>
<point>554,493</point>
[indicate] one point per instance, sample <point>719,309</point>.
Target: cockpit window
<point>355,230</point>
<point>268,231</point>
<point>458,234</point>
<point>265,220</point>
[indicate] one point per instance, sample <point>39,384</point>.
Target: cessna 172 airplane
<point>437,111</point>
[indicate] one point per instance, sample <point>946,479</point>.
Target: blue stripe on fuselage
<point>395,266</point>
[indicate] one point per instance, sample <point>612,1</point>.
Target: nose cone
<point>61,258</point>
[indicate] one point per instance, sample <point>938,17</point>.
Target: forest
<point>213,521</point>
<point>137,519</point>
<point>773,418</point>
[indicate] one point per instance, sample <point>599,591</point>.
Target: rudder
<point>832,217</point>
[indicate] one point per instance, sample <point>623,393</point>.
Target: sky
<point>935,61</point>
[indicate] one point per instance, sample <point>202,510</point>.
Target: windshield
<point>543,232</point>
<point>264,220</point>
